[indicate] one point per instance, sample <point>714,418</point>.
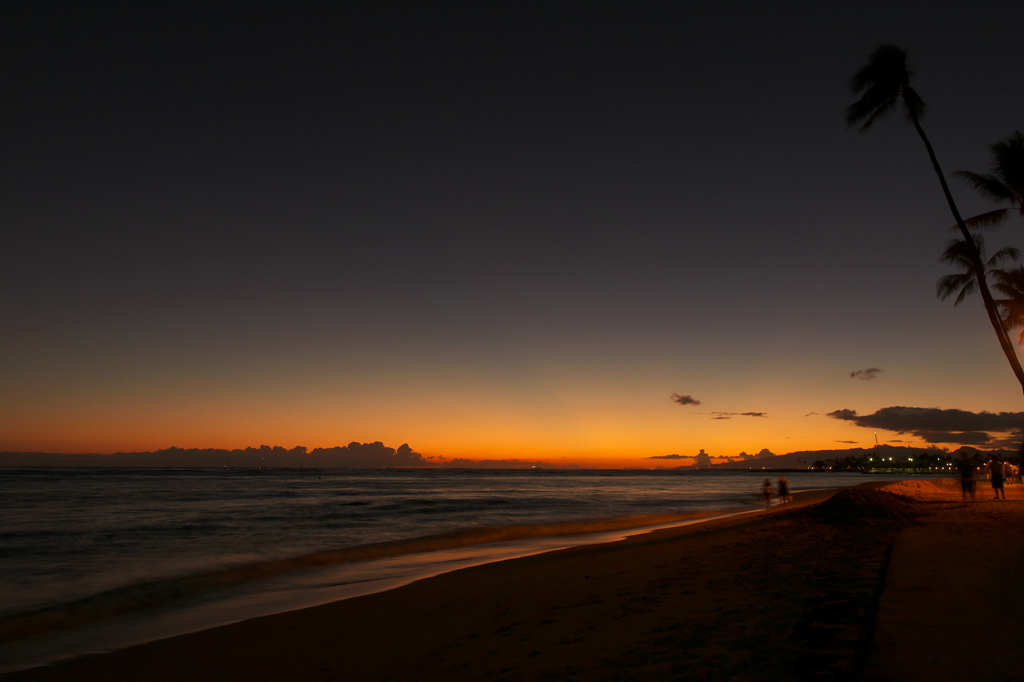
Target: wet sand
<point>864,585</point>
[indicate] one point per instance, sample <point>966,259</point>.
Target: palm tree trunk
<point>979,267</point>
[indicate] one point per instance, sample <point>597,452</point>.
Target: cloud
<point>684,399</point>
<point>962,438</point>
<point>866,374</point>
<point>668,457</point>
<point>935,425</point>
<point>730,415</point>
<point>809,414</point>
<point>908,419</point>
<point>848,442</point>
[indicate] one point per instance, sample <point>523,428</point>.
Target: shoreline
<point>94,641</point>
<point>130,616</point>
<point>56,558</point>
<point>830,591</point>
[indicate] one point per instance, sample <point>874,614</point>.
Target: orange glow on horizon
<point>609,456</point>
<point>563,424</point>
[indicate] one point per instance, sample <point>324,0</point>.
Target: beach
<point>835,590</point>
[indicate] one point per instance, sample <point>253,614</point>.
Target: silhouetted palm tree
<point>1005,184</point>
<point>882,83</point>
<point>964,283</point>
<point>1010,283</point>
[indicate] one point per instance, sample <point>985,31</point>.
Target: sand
<point>876,582</point>
<point>952,607</point>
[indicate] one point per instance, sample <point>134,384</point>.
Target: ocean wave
<point>153,594</point>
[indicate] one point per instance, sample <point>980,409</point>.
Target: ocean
<point>105,558</point>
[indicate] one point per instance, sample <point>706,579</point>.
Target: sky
<point>502,230</point>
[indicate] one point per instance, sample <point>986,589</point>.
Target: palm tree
<point>964,283</point>
<point>1005,184</point>
<point>1010,283</point>
<point>882,83</point>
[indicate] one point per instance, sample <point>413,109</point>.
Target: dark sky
<point>486,227</point>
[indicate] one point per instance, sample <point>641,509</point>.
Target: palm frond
<point>1009,163</point>
<point>984,220</point>
<point>1012,314</point>
<point>886,65</point>
<point>1010,283</point>
<point>960,252</point>
<point>951,284</point>
<point>1006,181</point>
<point>966,255</point>
<point>868,111</point>
<point>965,292</point>
<point>881,82</point>
<point>987,185</point>
<point>876,101</point>
<point>1013,318</point>
<point>1007,253</point>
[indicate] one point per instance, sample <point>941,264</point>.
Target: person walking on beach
<point>995,476</point>
<point>766,493</point>
<point>968,477</point>
<point>784,496</point>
